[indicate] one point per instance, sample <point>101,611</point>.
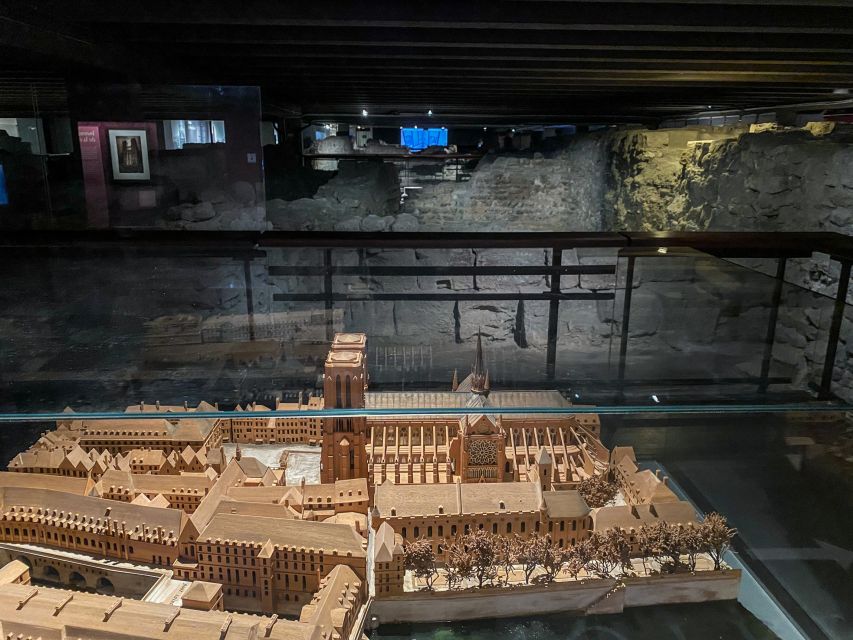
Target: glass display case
<point>699,374</point>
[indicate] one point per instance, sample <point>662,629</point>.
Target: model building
<point>402,498</point>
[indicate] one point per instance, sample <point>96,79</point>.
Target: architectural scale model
<point>148,519</point>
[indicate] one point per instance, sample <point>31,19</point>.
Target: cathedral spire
<point>479,375</point>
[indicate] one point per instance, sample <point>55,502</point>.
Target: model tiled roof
<point>385,545</point>
<point>148,483</point>
<point>95,513</point>
<point>677,512</point>
<point>190,456</point>
<point>275,494</point>
<point>619,453</point>
<point>565,504</point>
<point>44,481</point>
<point>57,613</point>
<point>337,598</point>
<point>57,458</point>
<point>146,457</point>
<point>143,407</point>
<point>252,467</point>
<point>157,501</point>
<point>628,517</point>
<point>408,500</point>
<point>201,591</point>
<point>263,509</point>
<point>285,533</point>
<point>649,487</point>
<point>174,428</point>
<point>232,476</point>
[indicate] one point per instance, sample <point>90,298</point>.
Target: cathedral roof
<point>448,400</point>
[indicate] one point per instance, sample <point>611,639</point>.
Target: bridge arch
<point>76,580</point>
<point>49,572</point>
<point>104,586</point>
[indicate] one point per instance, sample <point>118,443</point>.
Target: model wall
<point>598,596</point>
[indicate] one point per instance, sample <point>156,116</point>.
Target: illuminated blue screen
<point>417,138</point>
<point>4,195</point>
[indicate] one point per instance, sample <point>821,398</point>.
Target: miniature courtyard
<point>301,460</point>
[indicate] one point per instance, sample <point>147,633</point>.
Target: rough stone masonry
<point>696,178</point>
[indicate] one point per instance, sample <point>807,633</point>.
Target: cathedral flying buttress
<point>557,450</point>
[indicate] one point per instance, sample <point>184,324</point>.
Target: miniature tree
<point>668,544</point>
<point>552,558</point>
<point>577,557</point>
<point>647,544</point>
<point>459,566</point>
<point>608,551</point>
<point>597,491</point>
<point>529,553</point>
<point>481,546</point>
<point>420,559</point>
<point>716,536</point>
<point>692,544</point>
<point>507,549</point>
<point>618,539</point>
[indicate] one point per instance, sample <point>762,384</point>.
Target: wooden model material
<point>160,491</point>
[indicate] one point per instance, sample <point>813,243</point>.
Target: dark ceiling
<point>470,61</point>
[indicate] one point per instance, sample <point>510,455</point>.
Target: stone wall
<point>764,179</point>
<point>559,191</point>
<point>364,195</point>
<point>68,318</point>
<point>694,178</point>
<point>728,178</point>
<point>596,596</point>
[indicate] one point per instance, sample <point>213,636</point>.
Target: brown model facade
<point>160,491</point>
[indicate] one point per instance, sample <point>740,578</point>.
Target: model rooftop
<point>288,534</point>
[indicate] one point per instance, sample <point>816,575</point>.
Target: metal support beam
<point>626,319</point>
<point>328,293</point>
<point>771,324</point>
<point>824,392</point>
<point>385,271</point>
<point>451,297</point>
<point>250,304</point>
<point>553,314</point>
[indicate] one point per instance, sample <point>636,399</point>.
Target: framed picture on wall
<point>129,154</point>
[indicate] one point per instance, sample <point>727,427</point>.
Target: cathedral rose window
<point>482,452</point>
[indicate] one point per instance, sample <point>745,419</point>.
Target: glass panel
<point>182,157</point>
<point>697,321</point>
<point>28,155</point>
<point>234,322</point>
<point>774,475</point>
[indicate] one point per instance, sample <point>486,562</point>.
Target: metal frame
<point>248,245</point>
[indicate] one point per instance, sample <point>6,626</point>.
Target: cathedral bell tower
<point>344,455</point>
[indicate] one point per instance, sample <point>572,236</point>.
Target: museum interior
<point>268,265</point>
